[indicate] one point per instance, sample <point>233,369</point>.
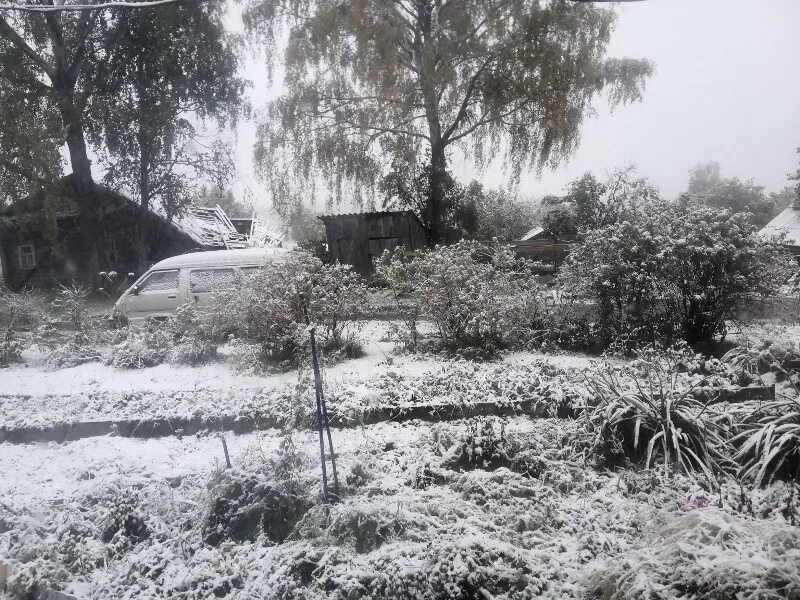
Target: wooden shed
<point>356,239</point>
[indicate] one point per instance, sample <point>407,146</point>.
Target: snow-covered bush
<point>769,444</point>
<point>481,298</point>
<point>705,555</point>
<point>673,276</point>
<point>17,314</point>
<point>249,507</point>
<point>648,415</point>
<point>193,337</point>
<point>766,358</point>
<point>270,310</point>
<point>145,346</point>
<point>483,445</point>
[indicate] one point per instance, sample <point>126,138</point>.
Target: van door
<point>157,295</point>
<point>204,283</point>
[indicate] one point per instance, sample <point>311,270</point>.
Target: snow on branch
<point>38,8</point>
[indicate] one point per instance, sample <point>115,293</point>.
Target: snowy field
<point>473,508</point>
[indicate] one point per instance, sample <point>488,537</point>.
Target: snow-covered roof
<point>532,234</point>
<point>786,224</point>
<point>221,258</point>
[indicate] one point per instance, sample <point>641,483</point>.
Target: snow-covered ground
<point>115,517</point>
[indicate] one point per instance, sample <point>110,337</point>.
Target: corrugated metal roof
<point>532,234</point>
<point>334,215</point>
<point>786,224</point>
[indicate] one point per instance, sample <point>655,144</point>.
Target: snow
<point>415,522</point>
<point>218,258</point>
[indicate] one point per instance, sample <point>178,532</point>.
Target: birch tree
<point>372,82</point>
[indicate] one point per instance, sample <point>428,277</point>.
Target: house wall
<point>359,238</point>
<point>69,259</point>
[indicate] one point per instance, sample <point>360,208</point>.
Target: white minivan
<point>190,277</point>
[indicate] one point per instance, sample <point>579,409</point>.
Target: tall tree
<point>369,82</point>
<point>591,204</point>
<point>168,70</point>
<point>44,48</point>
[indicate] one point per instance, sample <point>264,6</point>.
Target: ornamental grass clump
<point>768,445</point>
<point>648,415</point>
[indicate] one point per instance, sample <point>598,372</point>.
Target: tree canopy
<point>372,82</point>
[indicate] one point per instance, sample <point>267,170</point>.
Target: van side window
<point>160,281</point>
<point>210,280</point>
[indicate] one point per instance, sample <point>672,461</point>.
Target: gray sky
<point>726,88</point>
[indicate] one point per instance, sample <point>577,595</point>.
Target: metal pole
<point>320,422</point>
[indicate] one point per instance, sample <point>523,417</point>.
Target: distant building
<point>356,239</point>
<point>42,245</point>
<point>541,246</point>
<point>787,226</point>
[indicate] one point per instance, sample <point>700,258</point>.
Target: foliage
<point>590,204</point>
<point>248,507</point>
<point>707,555</point>
<point>145,346</point>
<point>193,337</point>
<point>216,195</point>
<point>71,300</point>
<point>676,275</point>
<point>480,298</point>
<point>270,309</point>
<point>708,188</point>
<point>767,358</point>
<point>403,79</point>
<point>483,445</point>
<point>17,314</point>
<point>769,444</point>
<point>497,214</point>
<point>652,417</point>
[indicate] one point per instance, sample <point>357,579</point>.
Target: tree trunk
<point>143,241</point>
<point>91,212</point>
<point>435,211</point>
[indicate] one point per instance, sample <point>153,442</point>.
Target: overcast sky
<point>726,88</point>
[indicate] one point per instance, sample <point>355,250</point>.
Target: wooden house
<point>543,247</point>
<point>356,239</point>
<point>42,245</point>
<point>786,227</point>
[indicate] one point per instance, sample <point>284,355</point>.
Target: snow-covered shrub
<point>483,445</point>
<point>705,555</point>
<point>649,416</point>
<point>481,298</point>
<point>17,314</point>
<point>145,346</point>
<point>673,276</point>
<point>766,358</point>
<point>270,309</point>
<point>769,444</point>
<point>249,507</point>
<point>193,338</point>
<point>71,301</point>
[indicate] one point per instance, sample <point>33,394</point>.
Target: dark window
<point>27,257</point>
<point>210,280</point>
<point>160,281</point>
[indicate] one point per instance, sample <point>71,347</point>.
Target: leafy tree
<point>708,188</point>
<point>408,187</point>
<point>380,81</point>
<point>44,51</point>
<point>497,214</point>
<point>704,177</point>
<point>216,195</point>
<point>796,177</point>
<point>165,69</point>
<point>591,204</point>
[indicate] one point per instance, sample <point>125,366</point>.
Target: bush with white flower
<point>481,298</point>
<point>673,275</point>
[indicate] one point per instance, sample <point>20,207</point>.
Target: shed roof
<point>786,224</point>
<point>373,214</point>
<point>532,234</point>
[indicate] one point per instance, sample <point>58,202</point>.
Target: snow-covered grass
<point>407,525</point>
